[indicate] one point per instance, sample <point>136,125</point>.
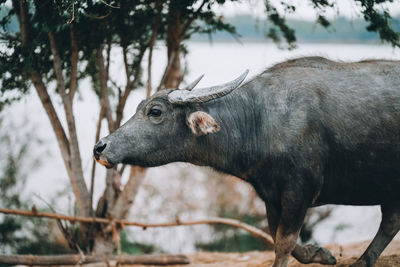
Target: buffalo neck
<point>235,149</point>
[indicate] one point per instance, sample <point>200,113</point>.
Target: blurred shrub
<point>134,247</point>
<point>229,239</point>
<point>22,235</point>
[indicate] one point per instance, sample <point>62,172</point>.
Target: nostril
<point>101,147</point>
<point>98,148</point>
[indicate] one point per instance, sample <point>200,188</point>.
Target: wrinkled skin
<point>304,133</point>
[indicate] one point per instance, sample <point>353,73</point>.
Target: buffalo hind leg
<point>304,254</point>
<point>390,226</point>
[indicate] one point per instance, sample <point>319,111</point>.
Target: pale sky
<point>304,10</point>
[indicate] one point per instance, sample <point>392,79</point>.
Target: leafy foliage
<point>130,26</point>
<point>374,13</point>
<point>95,24</point>
<point>43,52</point>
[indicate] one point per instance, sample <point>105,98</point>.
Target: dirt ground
<point>345,255</point>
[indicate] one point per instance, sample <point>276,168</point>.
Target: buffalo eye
<point>154,112</point>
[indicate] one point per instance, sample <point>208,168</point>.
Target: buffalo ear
<point>201,123</point>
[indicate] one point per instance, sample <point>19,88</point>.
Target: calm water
<point>220,62</point>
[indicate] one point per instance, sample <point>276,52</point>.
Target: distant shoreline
<point>298,42</point>
<point>341,30</point>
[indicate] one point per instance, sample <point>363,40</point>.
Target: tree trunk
<point>81,192</point>
<point>103,245</point>
<point>174,75</point>
<point>115,204</point>
<point>127,197</point>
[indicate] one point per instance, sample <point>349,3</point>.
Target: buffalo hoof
<point>314,254</point>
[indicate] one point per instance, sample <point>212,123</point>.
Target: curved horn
<point>193,84</point>
<point>207,93</point>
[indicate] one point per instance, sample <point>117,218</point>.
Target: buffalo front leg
<point>304,254</point>
<point>293,208</point>
<point>389,227</point>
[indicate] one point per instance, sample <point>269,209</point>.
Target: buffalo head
<point>163,127</point>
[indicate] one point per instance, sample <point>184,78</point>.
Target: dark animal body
<point>304,133</point>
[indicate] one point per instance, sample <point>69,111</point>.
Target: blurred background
<point>88,57</point>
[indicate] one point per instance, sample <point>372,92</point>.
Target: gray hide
<point>304,133</point>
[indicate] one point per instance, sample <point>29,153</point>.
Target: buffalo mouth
<point>104,162</point>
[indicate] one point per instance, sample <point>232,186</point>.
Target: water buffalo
<point>304,133</point>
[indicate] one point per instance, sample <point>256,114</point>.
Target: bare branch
<point>57,66</point>
<point>74,64</point>
<point>126,64</point>
<point>77,180</point>
<point>175,34</point>
<point>63,142</point>
<point>167,68</point>
<point>129,85</point>
<point>47,104</point>
<point>78,259</point>
<point>97,137</point>
<point>153,38</point>
<point>106,203</point>
<point>108,62</point>
<point>122,223</point>
<point>63,228</point>
<point>97,17</point>
<point>41,90</point>
<point>72,19</point>
<point>126,198</point>
<point>104,88</point>
<point>148,88</point>
<point>107,4</point>
<point>132,84</point>
<point>190,21</point>
<point>23,21</point>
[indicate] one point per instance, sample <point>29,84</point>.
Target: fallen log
<point>75,259</point>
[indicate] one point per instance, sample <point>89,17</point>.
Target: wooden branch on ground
<point>75,259</point>
<point>216,220</point>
